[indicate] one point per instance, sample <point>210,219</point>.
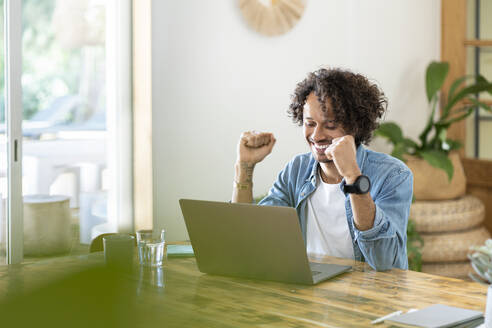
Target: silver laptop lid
<point>246,240</point>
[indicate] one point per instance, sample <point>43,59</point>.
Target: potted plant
<point>438,173</point>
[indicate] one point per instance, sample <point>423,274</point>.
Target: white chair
<point>64,188</point>
<point>39,174</point>
<point>88,217</point>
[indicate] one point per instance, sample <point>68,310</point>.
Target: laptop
<point>251,241</point>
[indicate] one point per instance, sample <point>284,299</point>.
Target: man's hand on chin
<point>343,153</point>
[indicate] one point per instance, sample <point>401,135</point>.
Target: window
<point>74,113</point>
<point>479,61</point>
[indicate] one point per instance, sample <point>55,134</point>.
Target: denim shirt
<point>384,245</point>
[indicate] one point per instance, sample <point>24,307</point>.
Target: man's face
<point>319,127</point>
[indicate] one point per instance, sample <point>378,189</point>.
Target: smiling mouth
<point>320,148</point>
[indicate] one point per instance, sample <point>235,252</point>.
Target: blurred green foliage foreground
<point>94,297</point>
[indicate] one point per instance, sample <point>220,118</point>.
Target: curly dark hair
<point>357,103</point>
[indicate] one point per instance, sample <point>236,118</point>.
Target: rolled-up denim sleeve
<point>384,245</point>
<point>281,193</point>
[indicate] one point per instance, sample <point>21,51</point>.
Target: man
<point>352,202</point>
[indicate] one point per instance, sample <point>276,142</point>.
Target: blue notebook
<point>180,251</point>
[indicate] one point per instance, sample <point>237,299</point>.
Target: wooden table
<point>185,297</point>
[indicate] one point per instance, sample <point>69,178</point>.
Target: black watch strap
<point>349,189</point>
<point>362,185</point>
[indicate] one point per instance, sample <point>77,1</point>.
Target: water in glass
<point>151,247</point>
<point>151,254</point>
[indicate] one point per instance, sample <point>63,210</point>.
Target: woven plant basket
<point>447,215</point>
<point>430,183</point>
<point>452,246</point>
<point>454,269</point>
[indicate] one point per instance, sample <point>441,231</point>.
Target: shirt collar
<point>314,171</point>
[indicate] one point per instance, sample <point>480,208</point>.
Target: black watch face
<point>364,184</point>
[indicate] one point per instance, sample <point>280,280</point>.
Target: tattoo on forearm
<point>248,168</point>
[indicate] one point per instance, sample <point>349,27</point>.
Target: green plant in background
<point>433,144</point>
<point>258,198</point>
<point>481,261</point>
<point>48,70</point>
<point>414,247</point>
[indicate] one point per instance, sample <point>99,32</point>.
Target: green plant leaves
<point>259,197</point>
<point>460,103</point>
<point>429,125</point>
<point>434,78</point>
<point>391,131</point>
<point>398,150</point>
<point>452,144</point>
<point>447,123</point>
<point>438,159</point>
<point>480,104</point>
<point>394,134</point>
<point>414,247</point>
<point>410,143</point>
<point>472,89</point>
<point>482,79</point>
<point>456,83</point>
<point>442,134</point>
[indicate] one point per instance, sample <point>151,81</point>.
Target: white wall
<point>214,77</point>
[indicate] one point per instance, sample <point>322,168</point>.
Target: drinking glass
<point>151,247</point>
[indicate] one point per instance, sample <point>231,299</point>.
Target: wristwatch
<point>361,185</point>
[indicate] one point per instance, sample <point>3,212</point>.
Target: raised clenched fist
<point>254,146</point>
<point>343,153</point>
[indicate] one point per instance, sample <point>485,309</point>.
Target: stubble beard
<point>321,158</point>
<point>326,161</point>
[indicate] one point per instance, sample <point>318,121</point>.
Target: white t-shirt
<point>327,228</point>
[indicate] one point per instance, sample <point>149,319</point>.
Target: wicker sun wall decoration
<point>272,17</point>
